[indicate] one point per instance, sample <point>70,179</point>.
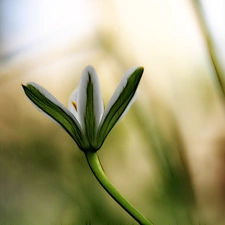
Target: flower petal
<point>89,102</point>
<point>120,102</point>
<point>49,105</point>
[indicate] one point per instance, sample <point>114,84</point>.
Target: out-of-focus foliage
<point>166,156</point>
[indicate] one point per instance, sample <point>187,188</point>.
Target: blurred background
<point>166,156</point>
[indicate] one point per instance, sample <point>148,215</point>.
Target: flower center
<point>74,105</point>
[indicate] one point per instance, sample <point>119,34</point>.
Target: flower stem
<point>208,39</point>
<point>95,165</point>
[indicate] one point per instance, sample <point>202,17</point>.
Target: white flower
<point>86,121</point>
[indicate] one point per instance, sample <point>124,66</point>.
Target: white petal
<point>117,93</point>
<point>89,74</point>
<point>47,95</point>
<point>51,107</point>
<point>120,102</point>
<point>128,107</point>
<point>51,98</point>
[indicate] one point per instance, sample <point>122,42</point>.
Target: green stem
<point>95,165</point>
<point>208,39</point>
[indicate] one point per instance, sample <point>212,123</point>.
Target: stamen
<point>74,105</point>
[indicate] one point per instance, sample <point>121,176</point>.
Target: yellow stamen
<point>74,105</point>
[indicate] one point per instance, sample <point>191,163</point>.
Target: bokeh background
<point>167,156</point>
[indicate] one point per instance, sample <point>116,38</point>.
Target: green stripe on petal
<point>49,105</point>
<point>89,116</point>
<point>120,101</point>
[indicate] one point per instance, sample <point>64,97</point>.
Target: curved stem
<point>95,165</point>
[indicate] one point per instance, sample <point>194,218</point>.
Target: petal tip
<point>139,68</point>
<point>89,68</point>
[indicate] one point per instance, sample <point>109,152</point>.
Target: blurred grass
<point>173,195</point>
<point>36,182</point>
